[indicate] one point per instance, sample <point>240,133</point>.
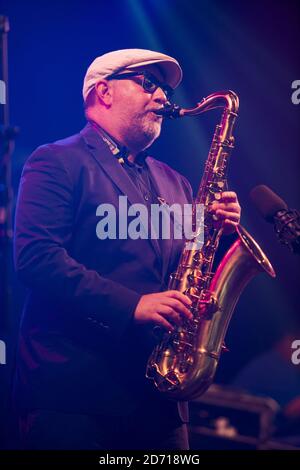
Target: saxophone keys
<point>208,304</point>
<point>218,195</point>
<point>193,293</point>
<point>195,277</point>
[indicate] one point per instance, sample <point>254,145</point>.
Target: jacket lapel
<point>114,171</point>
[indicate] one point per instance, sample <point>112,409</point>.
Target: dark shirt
<point>138,171</point>
<point>140,175</point>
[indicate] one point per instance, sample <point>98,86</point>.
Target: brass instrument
<point>184,362</point>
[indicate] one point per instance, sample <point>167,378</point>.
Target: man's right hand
<point>163,309</point>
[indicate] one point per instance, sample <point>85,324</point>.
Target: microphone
<point>274,210</point>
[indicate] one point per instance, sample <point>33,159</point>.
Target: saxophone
<point>183,363</point>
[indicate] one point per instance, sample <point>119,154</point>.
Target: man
<point>92,299</point>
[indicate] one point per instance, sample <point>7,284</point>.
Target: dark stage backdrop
<point>249,47</point>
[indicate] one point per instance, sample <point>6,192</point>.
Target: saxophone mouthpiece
<point>171,111</point>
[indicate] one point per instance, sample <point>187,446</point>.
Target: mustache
<point>157,111</point>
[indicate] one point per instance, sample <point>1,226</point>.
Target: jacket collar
<point>104,153</point>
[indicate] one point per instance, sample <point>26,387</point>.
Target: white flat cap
<point>127,59</point>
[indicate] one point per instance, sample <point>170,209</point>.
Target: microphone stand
<point>7,137</point>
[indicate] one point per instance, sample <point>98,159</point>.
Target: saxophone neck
<point>228,100</point>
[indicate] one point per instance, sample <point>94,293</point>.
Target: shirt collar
<point>119,151</point>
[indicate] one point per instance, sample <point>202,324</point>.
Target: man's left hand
<point>227,211</point>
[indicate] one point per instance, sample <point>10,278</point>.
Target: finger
<point>179,307</point>
<point>230,222</point>
<point>228,196</point>
<point>231,206</point>
<point>232,216</point>
<point>176,294</point>
<point>161,321</point>
<point>170,314</point>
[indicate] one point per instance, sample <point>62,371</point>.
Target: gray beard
<point>142,134</point>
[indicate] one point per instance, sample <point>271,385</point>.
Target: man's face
<point>134,110</point>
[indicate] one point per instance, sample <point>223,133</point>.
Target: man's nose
<point>159,96</point>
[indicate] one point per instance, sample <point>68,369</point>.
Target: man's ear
<point>103,91</point>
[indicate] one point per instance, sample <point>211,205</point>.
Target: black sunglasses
<point>149,82</point>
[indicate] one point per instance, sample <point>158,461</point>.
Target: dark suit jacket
<point>79,349</point>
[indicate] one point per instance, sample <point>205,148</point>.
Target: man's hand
<point>163,309</point>
<point>227,211</point>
